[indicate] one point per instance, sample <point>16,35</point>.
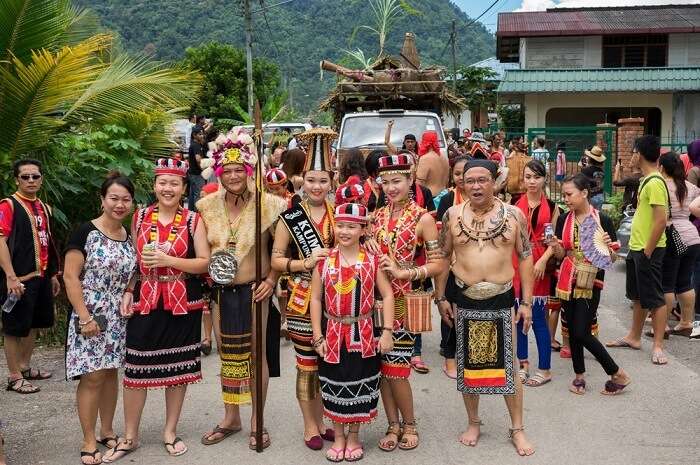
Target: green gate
<point>577,140</point>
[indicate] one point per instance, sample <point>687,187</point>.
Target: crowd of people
<point>354,258</point>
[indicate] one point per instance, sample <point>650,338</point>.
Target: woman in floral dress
<point>100,260</point>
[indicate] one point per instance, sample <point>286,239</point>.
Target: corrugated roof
<point>600,80</point>
<point>600,21</point>
<point>496,66</point>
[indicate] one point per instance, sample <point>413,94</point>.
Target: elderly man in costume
<point>483,233</point>
<point>229,215</point>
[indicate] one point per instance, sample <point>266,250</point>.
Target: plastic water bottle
<point>10,302</point>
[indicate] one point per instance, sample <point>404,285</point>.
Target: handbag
<point>674,244</point>
<point>417,318</point>
<point>585,275</point>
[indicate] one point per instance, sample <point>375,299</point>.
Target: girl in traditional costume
<point>400,232</point>
<point>304,237</point>
<point>580,282</point>
<point>540,212</point>
<point>349,346</point>
<point>163,304</point>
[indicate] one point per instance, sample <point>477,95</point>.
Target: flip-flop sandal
<point>206,347</point>
<point>225,432</point>
<point>578,387</point>
<point>419,366</point>
<point>524,374</point>
<point>651,334</point>
<point>350,458</point>
<point>613,389</point>
<point>659,358</point>
<point>537,380</point>
<point>266,442</point>
<point>557,347</point>
<point>24,387</point>
<point>90,454</point>
<point>105,442</point>
<point>39,376</point>
<point>116,450</point>
<point>175,453</point>
<point>685,332</point>
<point>339,455</point>
<point>621,343</point>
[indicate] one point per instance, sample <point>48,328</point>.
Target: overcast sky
<point>475,7</point>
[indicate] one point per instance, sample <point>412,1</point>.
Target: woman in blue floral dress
<point>100,260</point>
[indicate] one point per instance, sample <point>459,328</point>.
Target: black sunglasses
<point>27,177</point>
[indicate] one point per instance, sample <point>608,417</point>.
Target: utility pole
<point>453,39</point>
<point>249,53</point>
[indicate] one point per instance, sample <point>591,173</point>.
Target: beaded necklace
<point>344,287</point>
<point>388,238</point>
<point>479,235</point>
<point>173,228</point>
<point>327,225</point>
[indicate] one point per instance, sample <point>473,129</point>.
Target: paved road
<point>654,422</point>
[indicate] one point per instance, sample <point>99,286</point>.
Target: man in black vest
<point>29,265</point>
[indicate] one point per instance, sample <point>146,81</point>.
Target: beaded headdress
<point>318,152</point>
<point>275,177</point>
<point>171,166</point>
<point>395,164</point>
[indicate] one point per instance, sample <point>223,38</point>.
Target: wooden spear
<point>258,310</point>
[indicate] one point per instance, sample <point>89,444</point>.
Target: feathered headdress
<point>236,147</point>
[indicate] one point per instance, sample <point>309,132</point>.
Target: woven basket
<point>417,319</point>
<point>585,275</point>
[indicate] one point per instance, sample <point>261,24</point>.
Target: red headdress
<point>429,142</point>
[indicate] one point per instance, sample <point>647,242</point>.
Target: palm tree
<point>57,72</point>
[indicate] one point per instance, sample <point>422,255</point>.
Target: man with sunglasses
<point>30,266</point>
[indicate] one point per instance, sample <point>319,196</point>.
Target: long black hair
<point>673,167</point>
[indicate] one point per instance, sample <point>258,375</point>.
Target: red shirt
<point>35,208</point>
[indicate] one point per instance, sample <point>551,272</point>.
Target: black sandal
<point>105,442</point>
<point>90,454</point>
<point>25,387</point>
<point>206,347</point>
<point>114,450</point>
<point>39,376</point>
<point>175,453</point>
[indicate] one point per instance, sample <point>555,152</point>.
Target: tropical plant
<point>386,13</point>
<point>69,99</point>
<point>224,92</point>
<point>474,84</point>
<point>358,57</point>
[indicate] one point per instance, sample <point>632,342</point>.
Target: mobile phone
<point>101,321</point>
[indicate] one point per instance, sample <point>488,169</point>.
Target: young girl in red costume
<point>344,333</point>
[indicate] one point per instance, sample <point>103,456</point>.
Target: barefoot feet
<point>471,436</point>
<point>519,440</point>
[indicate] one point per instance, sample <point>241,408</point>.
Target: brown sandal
<point>266,440</point>
<point>25,387</point>
<point>410,429</point>
<point>395,429</point>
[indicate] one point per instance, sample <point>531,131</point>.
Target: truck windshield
<point>369,130</point>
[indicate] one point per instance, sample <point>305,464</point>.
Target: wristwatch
<point>526,303</point>
<point>437,300</point>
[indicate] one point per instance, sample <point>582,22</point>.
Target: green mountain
<point>296,35</point>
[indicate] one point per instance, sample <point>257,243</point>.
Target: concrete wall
<point>684,49</point>
<point>537,105</point>
<point>686,117</point>
<point>554,52</point>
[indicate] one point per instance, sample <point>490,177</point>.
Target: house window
<point>635,51</point>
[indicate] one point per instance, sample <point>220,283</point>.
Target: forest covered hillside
<point>296,35</point>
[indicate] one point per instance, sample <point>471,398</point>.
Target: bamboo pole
<point>258,307</point>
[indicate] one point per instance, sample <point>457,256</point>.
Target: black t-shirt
<point>631,185</point>
<point>596,175</point>
<point>605,222</point>
<point>195,149</point>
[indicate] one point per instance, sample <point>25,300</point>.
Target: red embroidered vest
<point>398,238</point>
<point>341,302</point>
<point>180,292</point>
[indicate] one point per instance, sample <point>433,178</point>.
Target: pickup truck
<point>365,130</point>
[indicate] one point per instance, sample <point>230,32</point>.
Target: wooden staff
<point>258,315</point>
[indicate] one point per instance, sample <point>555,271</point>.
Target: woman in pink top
<point>678,270</point>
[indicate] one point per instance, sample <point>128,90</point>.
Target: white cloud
<point>541,5</point>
